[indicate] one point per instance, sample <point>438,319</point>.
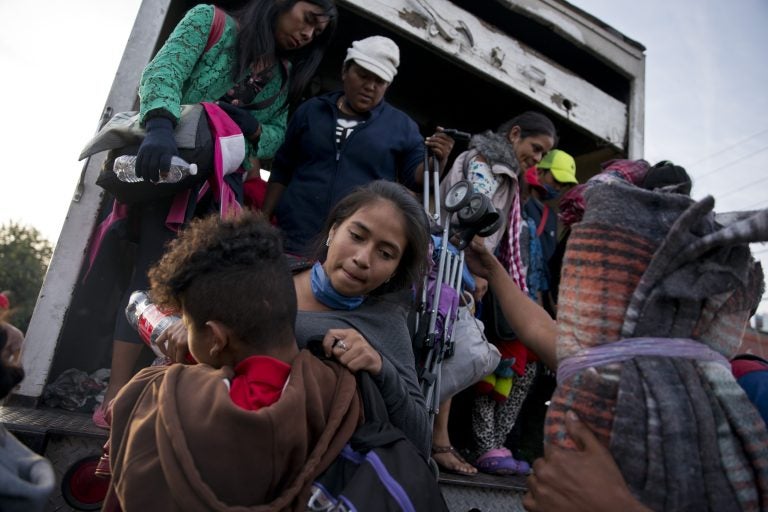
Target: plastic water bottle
<point>125,170</point>
<point>149,320</point>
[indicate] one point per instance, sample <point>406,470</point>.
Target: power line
<point>730,147</point>
<point>755,204</point>
<point>721,197</point>
<point>748,155</point>
<point>758,205</point>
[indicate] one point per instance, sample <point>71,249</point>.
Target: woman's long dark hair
<point>256,41</point>
<point>531,123</point>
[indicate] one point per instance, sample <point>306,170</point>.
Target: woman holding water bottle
<point>255,62</point>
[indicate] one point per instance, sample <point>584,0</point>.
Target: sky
<point>706,106</point>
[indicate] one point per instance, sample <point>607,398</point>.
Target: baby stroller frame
<point>438,305</point>
<point>443,286</point>
<point>435,320</point>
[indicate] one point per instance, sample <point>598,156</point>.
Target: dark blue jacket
<point>534,209</point>
<point>387,146</point>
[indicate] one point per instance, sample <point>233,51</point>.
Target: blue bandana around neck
<point>324,292</point>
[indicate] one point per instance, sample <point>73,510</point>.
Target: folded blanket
<point>645,270</point>
<point>125,129</point>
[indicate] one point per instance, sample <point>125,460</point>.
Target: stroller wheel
<point>81,488</point>
<point>491,228</point>
<point>458,195</point>
<point>477,207</point>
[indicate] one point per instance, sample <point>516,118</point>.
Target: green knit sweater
<point>181,73</point>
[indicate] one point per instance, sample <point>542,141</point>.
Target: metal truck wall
<point>457,70</point>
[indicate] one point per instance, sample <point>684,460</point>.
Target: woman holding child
<point>180,431</point>
<point>357,295</point>
<point>257,420</point>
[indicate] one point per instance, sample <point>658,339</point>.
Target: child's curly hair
<point>232,270</point>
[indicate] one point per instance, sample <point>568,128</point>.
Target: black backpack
<point>379,469</point>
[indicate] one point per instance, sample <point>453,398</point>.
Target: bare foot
<point>450,460</point>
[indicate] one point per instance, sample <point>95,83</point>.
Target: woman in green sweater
<point>246,66</point>
<point>255,62</point>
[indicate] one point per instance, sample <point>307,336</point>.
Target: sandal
<point>438,450</point>
<point>501,462</point>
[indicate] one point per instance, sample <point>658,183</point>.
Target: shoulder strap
<point>298,263</point>
<point>217,28</point>
<point>261,105</point>
<point>465,167</point>
<point>543,221</point>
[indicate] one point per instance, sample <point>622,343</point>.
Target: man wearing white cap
<point>345,139</point>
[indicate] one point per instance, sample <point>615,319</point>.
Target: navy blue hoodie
<point>387,146</point>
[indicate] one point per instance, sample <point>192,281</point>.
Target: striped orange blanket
<point>665,279</point>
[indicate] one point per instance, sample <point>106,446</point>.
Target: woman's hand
<point>248,124</point>
<point>441,145</point>
<point>586,479</point>
<point>479,260</point>
<point>157,149</point>
<point>481,288</point>
<point>352,350</point>
<point>177,347</point>
<point>255,172</point>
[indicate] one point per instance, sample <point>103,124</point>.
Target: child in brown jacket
<point>257,420</point>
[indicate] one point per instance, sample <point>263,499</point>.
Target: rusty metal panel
<point>461,37</point>
<point>604,42</point>
<point>586,31</point>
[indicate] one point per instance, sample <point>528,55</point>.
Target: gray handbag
<point>473,357</point>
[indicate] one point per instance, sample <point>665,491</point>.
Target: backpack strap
<point>217,28</point>
<point>261,105</point>
<point>465,169</point>
<point>543,221</point>
<point>377,431</point>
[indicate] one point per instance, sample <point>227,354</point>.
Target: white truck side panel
<point>438,24</point>
<point>63,272</point>
<point>466,39</point>
<point>585,31</point>
<point>613,48</point>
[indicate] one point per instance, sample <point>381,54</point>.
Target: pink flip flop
<point>501,462</point>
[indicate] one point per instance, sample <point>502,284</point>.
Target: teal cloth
<point>181,73</point>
